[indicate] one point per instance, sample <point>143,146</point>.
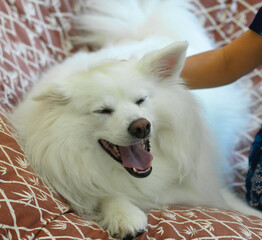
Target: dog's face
<point>113,103</point>
<point>125,118</point>
<point>117,103</point>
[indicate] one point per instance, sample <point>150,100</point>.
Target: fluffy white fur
<point>60,121</point>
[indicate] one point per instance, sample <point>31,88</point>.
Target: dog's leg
<point>121,218</point>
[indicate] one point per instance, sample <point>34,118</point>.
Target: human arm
<point>225,65</point>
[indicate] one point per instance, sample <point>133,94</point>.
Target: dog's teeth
<point>137,171</point>
<point>143,144</point>
<point>115,149</point>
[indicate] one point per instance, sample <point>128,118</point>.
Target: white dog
<point>116,132</point>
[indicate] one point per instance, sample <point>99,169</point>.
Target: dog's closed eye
<point>104,111</point>
<point>140,101</point>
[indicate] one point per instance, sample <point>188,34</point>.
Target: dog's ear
<point>52,94</point>
<point>165,63</point>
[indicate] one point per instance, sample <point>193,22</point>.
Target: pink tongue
<point>135,156</point>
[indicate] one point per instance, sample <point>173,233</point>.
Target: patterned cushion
<point>35,36</point>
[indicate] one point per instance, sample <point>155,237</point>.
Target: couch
<point>36,34</point>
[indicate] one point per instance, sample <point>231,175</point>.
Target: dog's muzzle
<point>135,158</point>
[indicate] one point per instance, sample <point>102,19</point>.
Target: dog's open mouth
<point>135,158</point>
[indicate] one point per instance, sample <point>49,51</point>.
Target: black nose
<point>140,128</point>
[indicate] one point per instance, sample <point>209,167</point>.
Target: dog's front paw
<point>122,219</point>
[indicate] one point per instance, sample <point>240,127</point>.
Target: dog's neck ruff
<point>135,158</point>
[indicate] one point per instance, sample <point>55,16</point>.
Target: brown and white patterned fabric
<point>34,36</point>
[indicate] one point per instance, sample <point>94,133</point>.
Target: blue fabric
<point>256,25</point>
<point>254,175</point>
